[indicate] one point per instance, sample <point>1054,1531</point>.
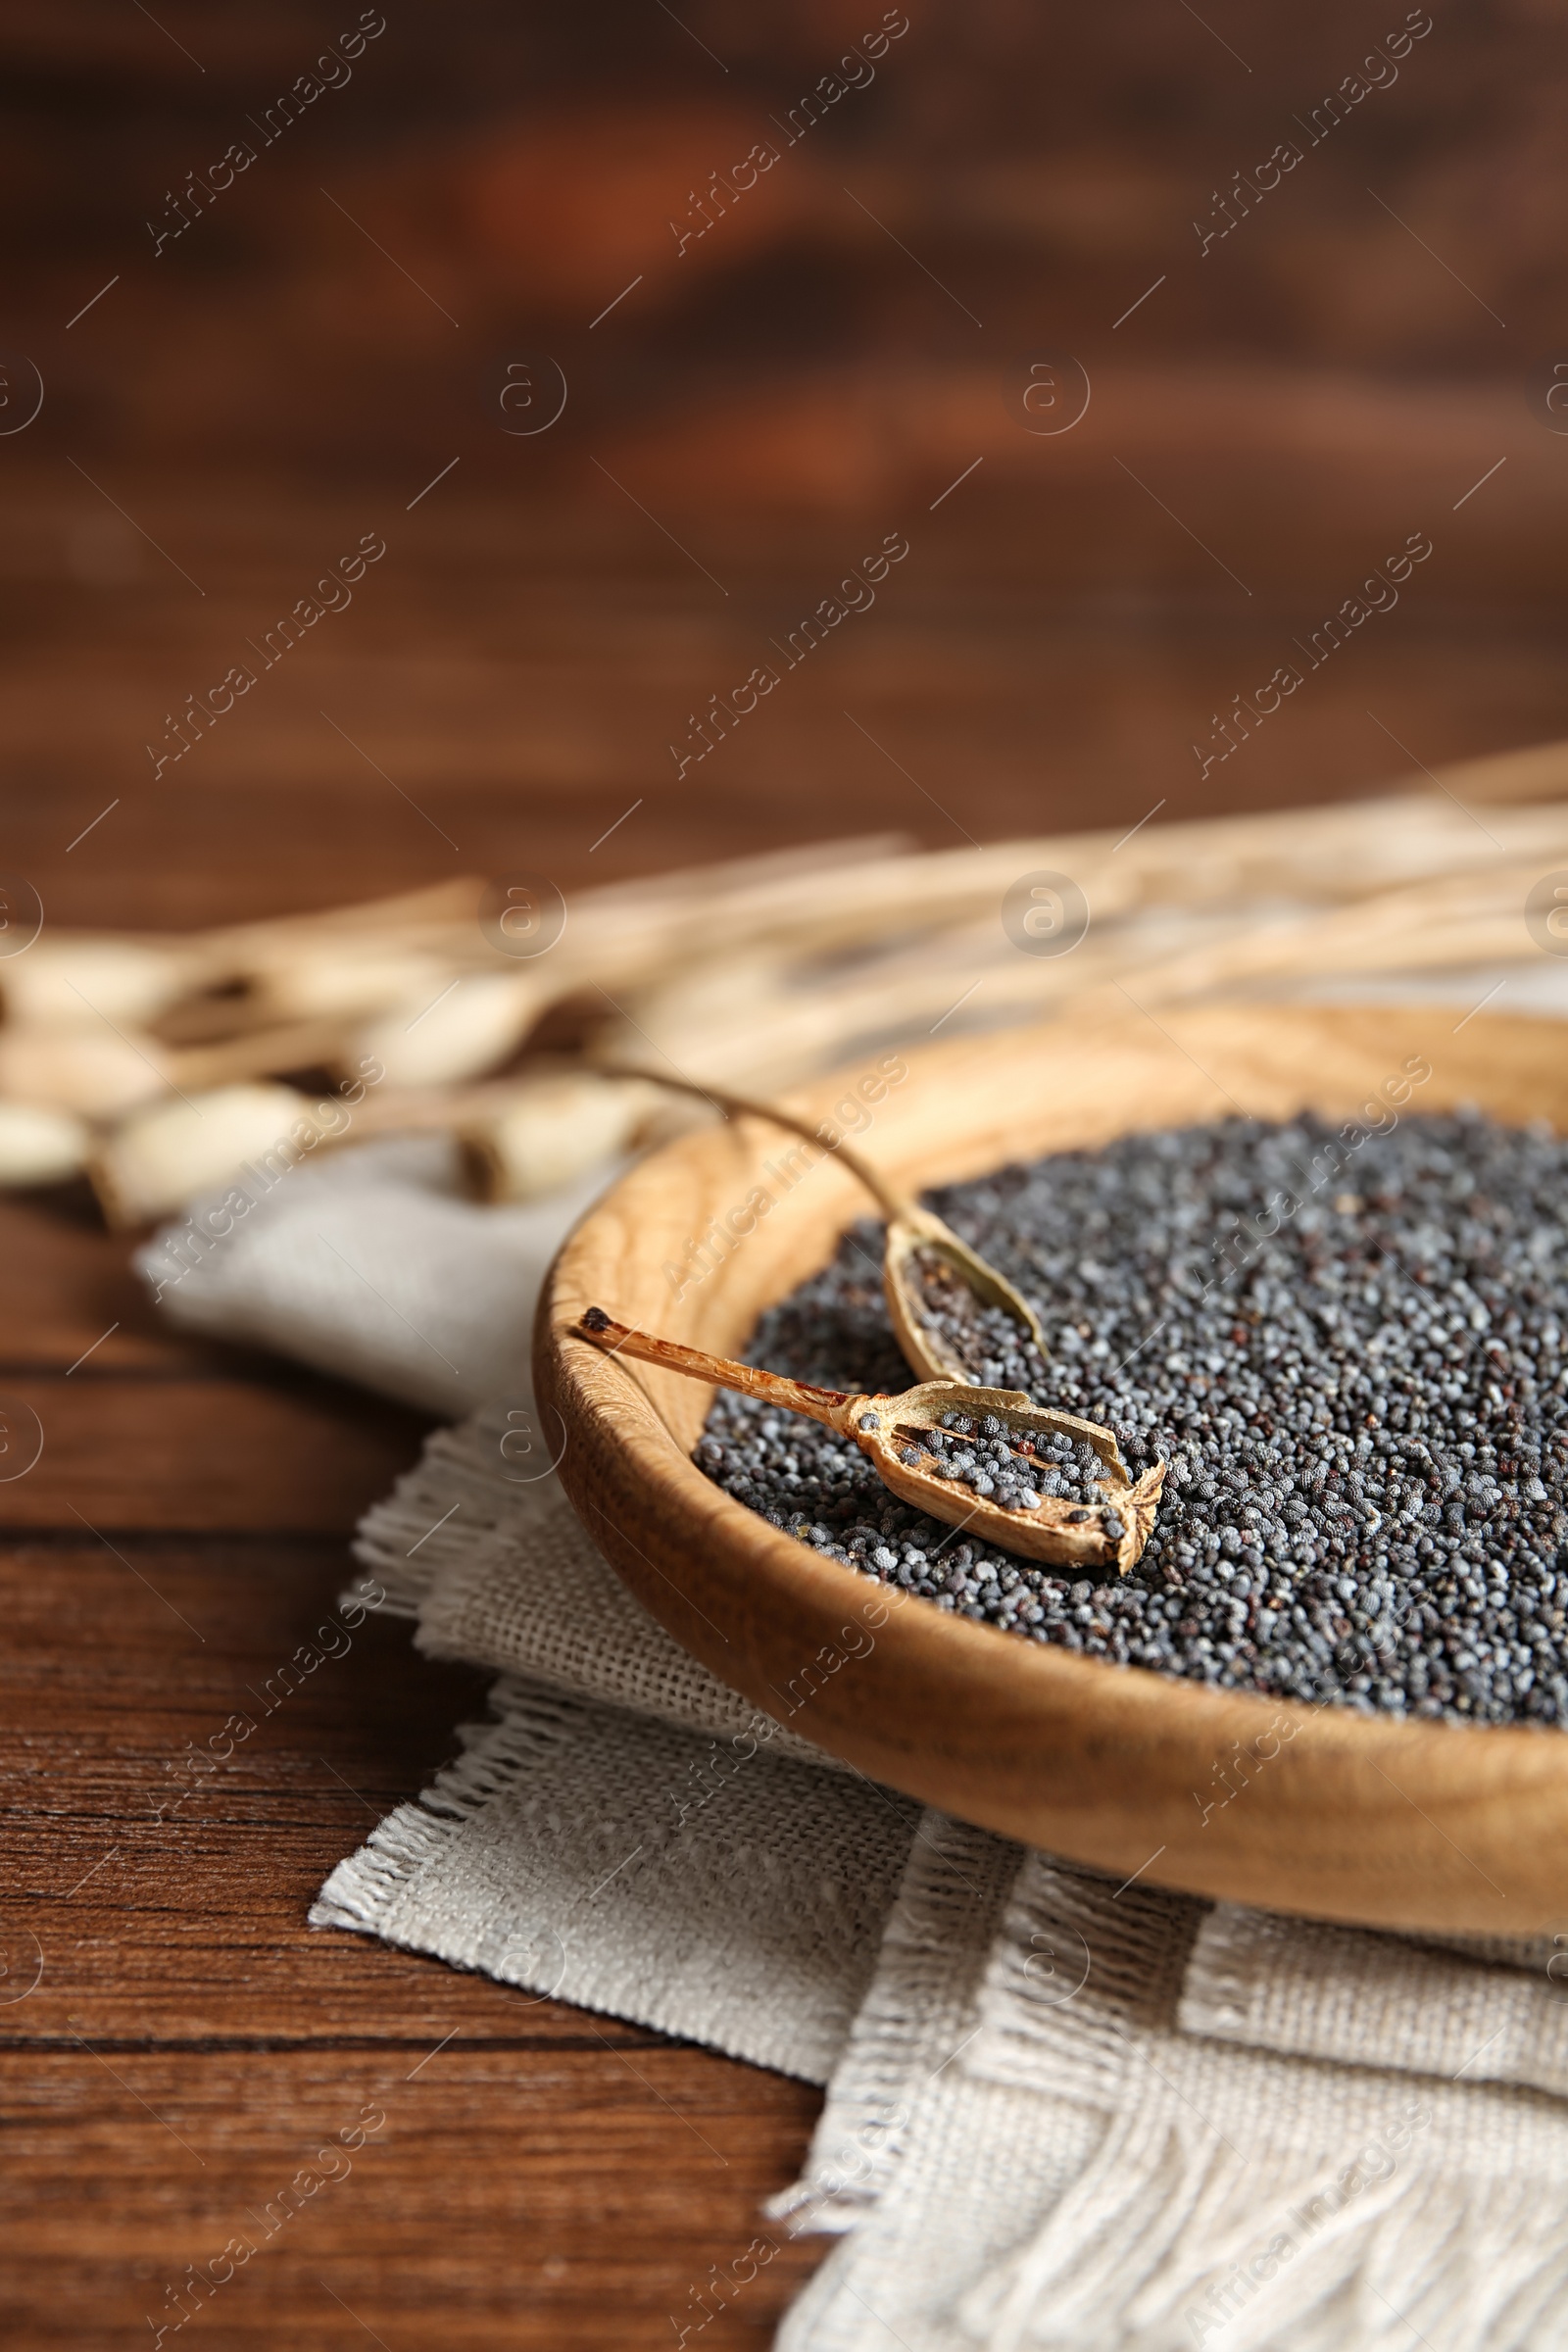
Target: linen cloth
<point>368,1263</point>
<point>1059,2112</point>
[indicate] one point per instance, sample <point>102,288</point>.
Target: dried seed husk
<point>916,1233</point>
<point>436,1038</point>
<point>1066,1534</point>
<point>40,1145</point>
<point>165,1154</point>
<point>77,980</point>
<point>516,1138</point>
<point>1063,1533</point>
<point>107,1072</point>
<point>551,1130</point>
<point>911,1228</point>
<point>92,1073</point>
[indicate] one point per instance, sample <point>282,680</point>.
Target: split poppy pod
<point>896,1435</point>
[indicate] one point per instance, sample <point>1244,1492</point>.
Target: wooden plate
<point>1335,1815</point>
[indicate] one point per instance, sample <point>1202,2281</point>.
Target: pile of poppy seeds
<point>1354,1363</point>
<point>977,1450</point>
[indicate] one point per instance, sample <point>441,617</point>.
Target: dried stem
<point>886,1195</point>
<point>795,1395</point>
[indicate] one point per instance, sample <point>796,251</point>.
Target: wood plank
<point>67,1287</point>
<point>276,1450</point>
<point>1076,717</point>
<point>177,1968</point>
<point>168,1896</point>
<point>1060,648</point>
<point>554,2201</point>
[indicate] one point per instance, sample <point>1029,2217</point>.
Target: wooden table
<point>543,2177</point>
<point>187,2045</point>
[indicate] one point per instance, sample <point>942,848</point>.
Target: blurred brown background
<point>334,328</point>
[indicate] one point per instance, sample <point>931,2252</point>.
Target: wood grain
<point>174,1452</point>
<point>1347,1817</point>
<point>537,2197</point>
<point>546,2178</point>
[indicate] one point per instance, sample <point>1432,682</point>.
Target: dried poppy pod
<point>80,979</point>
<point>105,1074</point>
<point>549,1130</point>
<point>40,1145</point>
<point>895,1433</point>
<point>913,1233</point>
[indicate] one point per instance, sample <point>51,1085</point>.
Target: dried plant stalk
<point>98,1024</point>
<point>774,1019</point>
<point>912,1232</point>
<point>517,1138</point>
<point>889,1430</point>
<point>548,1131</point>
<point>103,1074</point>
<point>39,1144</point>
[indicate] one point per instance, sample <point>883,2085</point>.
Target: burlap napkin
<point>1059,2113</point>
<point>1064,2145</point>
<point>370,1265</point>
